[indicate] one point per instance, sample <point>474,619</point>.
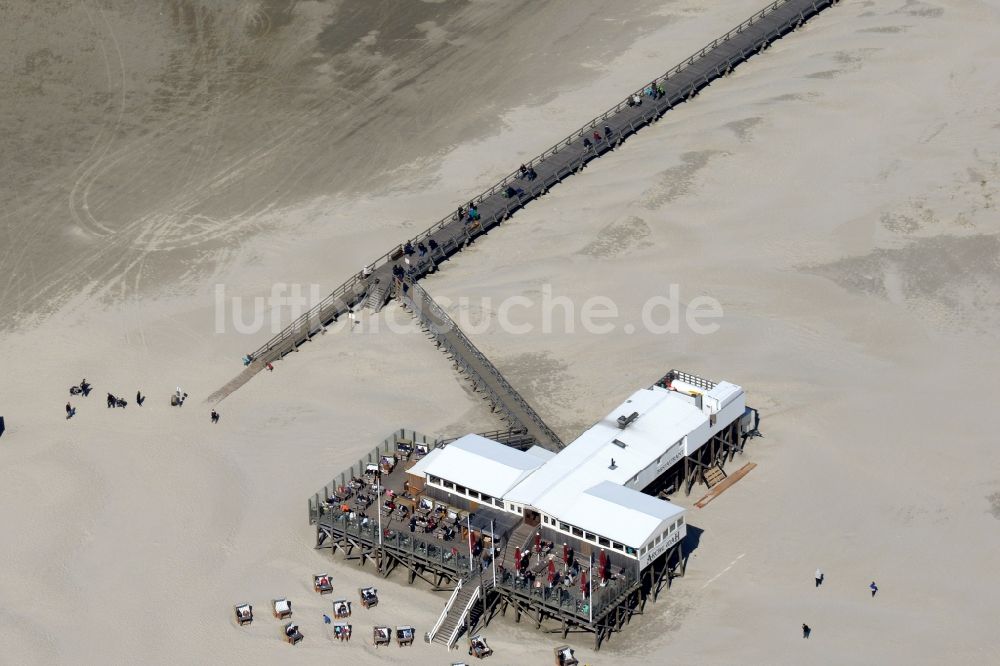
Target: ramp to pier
<point>483,375</point>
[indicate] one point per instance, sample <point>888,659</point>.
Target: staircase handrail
<point>447,607</point>
<point>465,611</point>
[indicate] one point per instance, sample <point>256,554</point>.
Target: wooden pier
<point>371,288</point>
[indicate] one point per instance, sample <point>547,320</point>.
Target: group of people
<point>113,401</point>
<point>820,578</point>
<point>608,132</point>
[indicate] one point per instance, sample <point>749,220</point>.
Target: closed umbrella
<point>603,560</point>
<point>565,554</point>
<point>538,542</point>
<point>583,583</point>
<point>517,559</point>
<point>552,570</point>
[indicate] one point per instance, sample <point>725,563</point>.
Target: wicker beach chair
<point>292,633</point>
<point>479,648</point>
<point>244,614</point>
<point>382,636</point>
<point>342,631</point>
<point>404,635</point>
<point>369,597</point>
<point>322,584</point>
<point>565,656</point>
<point>341,609</point>
<point>282,608</point>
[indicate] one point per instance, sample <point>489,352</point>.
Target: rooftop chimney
<point>624,421</point>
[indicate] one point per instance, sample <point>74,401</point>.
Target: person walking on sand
<point>874,588</point>
<point>69,411</point>
<point>819,577</point>
<point>215,416</point>
<point>806,630</point>
<point>139,398</point>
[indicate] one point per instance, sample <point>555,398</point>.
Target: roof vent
<point>624,421</point>
<point>619,443</point>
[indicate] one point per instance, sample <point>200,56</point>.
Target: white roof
<point>725,393</point>
<point>480,464</point>
<point>539,452</point>
<point>664,419</point>
<point>621,514</point>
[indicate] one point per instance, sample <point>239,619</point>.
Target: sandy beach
<point>835,195</point>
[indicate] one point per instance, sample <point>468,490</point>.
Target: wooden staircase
<point>454,615</point>
<point>714,474</point>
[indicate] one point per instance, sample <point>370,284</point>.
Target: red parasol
<point>517,559</point>
<point>538,542</point>
<point>603,559</point>
<point>565,554</point>
<point>583,583</point>
<point>552,570</point>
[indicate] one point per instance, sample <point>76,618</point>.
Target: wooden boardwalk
<point>485,377</point>
<point>372,287</point>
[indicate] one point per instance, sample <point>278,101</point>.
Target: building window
<point>545,519</point>
<point>564,527</point>
<point>657,542</point>
<point>433,479</point>
<point>449,485</point>
<point>643,551</point>
<point>588,536</point>
<point>673,528</point>
<point>486,498</point>
<point>577,532</point>
<point>520,510</point>
<point>498,502</point>
<point>604,542</point>
<point>460,489</point>
<point>473,494</point>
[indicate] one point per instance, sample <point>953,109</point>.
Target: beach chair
<point>421,451</point>
<point>282,608</point>
<point>404,636</point>
<point>382,636</point>
<point>322,584</point>
<point>244,614</point>
<point>292,633</point>
<point>342,631</point>
<point>565,656</point>
<point>369,597</point>
<point>341,609</point>
<point>479,648</point>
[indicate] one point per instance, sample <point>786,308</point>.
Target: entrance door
<point>531,517</point>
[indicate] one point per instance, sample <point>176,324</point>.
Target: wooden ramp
<point>484,376</point>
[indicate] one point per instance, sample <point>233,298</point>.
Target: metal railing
<point>388,447</point>
<point>324,311</point>
<point>438,323</point>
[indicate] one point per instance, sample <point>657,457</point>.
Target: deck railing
<point>348,294</point>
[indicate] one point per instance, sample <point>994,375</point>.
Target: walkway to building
<point>423,253</point>
<point>485,377</point>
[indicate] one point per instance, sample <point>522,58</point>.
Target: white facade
<point>592,488</point>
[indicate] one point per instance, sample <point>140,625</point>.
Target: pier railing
<point>386,448</point>
<point>451,338</point>
<point>356,288</point>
